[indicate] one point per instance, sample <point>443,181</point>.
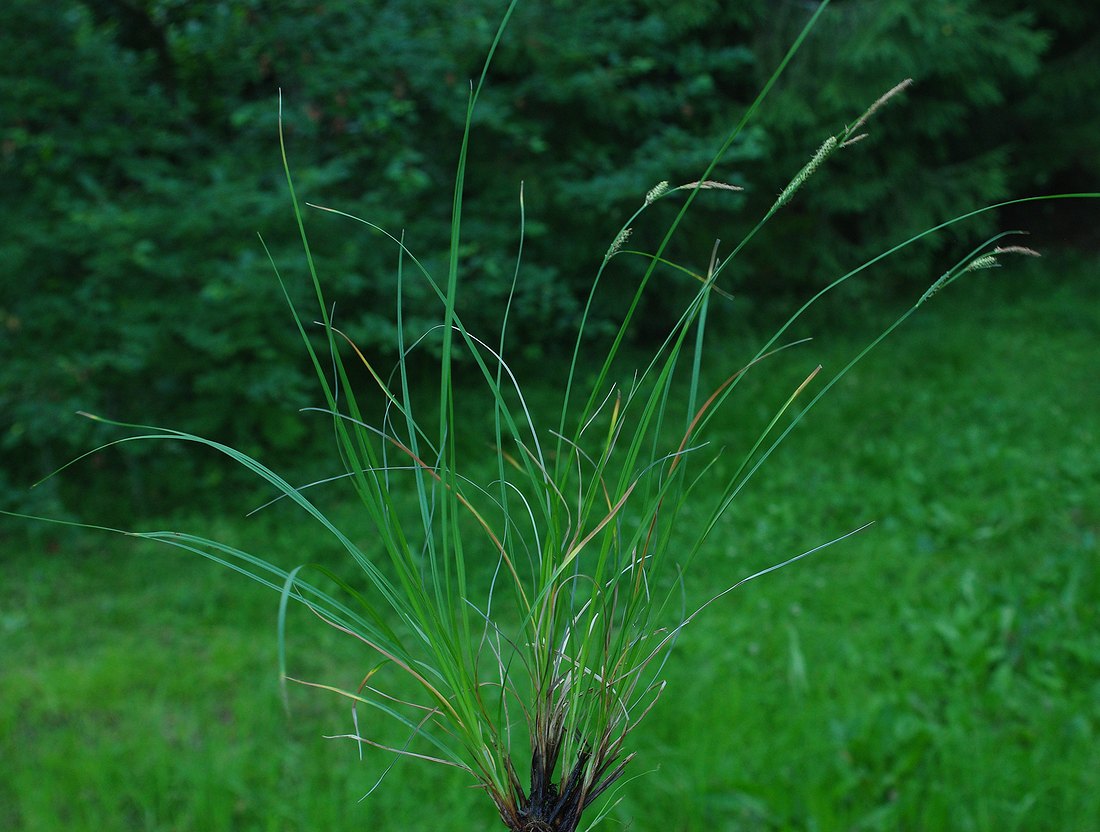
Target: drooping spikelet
<point>617,243</point>
<point>986,261</point>
<point>656,192</point>
<point>1029,252</point>
<point>848,136</point>
<point>882,99</point>
<point>823,152</point>
<point>709,185</point>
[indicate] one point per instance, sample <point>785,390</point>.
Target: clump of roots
<point>557,806</point>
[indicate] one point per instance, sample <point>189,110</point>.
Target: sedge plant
<point>532,685</point>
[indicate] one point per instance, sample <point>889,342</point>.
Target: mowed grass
<point>940,670</point>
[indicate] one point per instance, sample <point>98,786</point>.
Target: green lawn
<point>941,670</point>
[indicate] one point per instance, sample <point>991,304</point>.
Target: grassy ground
<point>939,671</point>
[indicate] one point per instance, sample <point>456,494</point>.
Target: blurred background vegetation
<point>941,674</point>
<point>140,159</point>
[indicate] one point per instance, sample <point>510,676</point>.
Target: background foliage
<point>139,161</point>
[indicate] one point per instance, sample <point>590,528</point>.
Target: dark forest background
<point>139,156</point>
